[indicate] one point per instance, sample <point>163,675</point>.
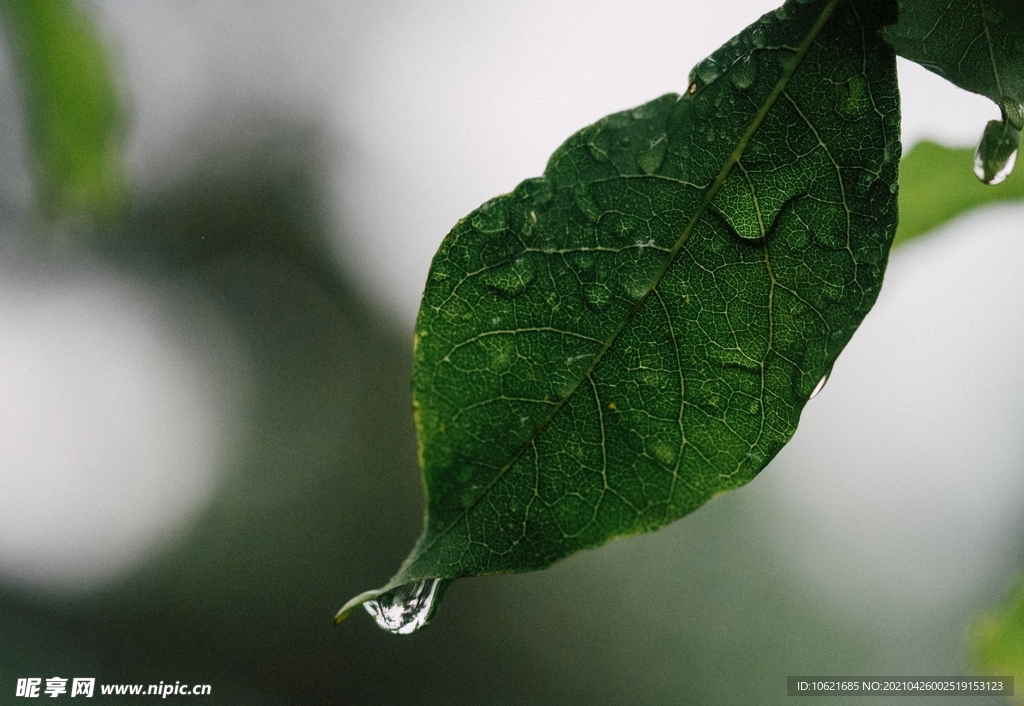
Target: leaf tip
<point>354,603</point>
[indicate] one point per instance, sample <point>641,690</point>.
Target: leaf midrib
<point>991,51</point>
<point>712,192</point>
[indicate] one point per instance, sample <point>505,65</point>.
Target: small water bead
<point>645,111</point>
<point>864,182</point>
<point>997,152</point>
<point>854,97</point>
<point>511,280</point>
<point>598,152</point>
<point>757,37</point>
<point>406,609</point>
<point>706,71</point>
<point>597,294</point>
<point>651,158</point>
<point>818,388</point>
<point>537,189</point>
<point>584,201</point>
<point>528,223</point>
<point>472,493</point>
<point>582,259</point>
<point>637,276</point>
<point>492,217</point>
<point>743,72</point>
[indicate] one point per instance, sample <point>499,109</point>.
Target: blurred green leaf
<point>937,185</point>
<point>976,44</point>
<point>608,347</point>
<point>71,106</point>
<point>997,640</point>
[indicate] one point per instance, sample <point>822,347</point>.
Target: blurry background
<point>205,438</point>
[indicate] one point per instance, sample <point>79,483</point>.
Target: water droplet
<point>406,609</point>
<point>692,89</point>
<point>651,158</point>
<point>666,453</point>
<point>743,72</point>
<point>734,358</point>
<point>470,495</point>
<point>757,37</point>
<point>529,220</point>
<point>511,280</point>
<point>854,96</point>
<point>873,251</point>
<point>830,291</point>
<point>582,259</point>
<point>637,275</point>
<point>645,111</point>
<point>892,152</point>
<point>599,153</point>
<point>707,70</point>
<point>818,388</point>
<point>585,202</point>
<point>491,217</point>
<point>537,189</point>
<point>595,138</point>
<point>997,152</point>
<point>596,294</point>
<point>865,181</point>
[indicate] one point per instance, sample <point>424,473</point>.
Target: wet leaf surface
<point>976,44</point>
<point>609,346</point>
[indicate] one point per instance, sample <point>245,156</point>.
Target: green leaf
<point>936,185</point>
<point>71,105</point>
<point>611,345</point>
<point>976,44</point>
<point>997,639</point>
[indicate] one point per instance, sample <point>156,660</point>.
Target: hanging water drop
<point>997,152</point>
<point>818,388</point>
<point>406,609</point>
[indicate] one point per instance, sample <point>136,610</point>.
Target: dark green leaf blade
<point>72,107</point>
<point>937,185</point>
<point>976,44</point>
<point>608,347</point>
